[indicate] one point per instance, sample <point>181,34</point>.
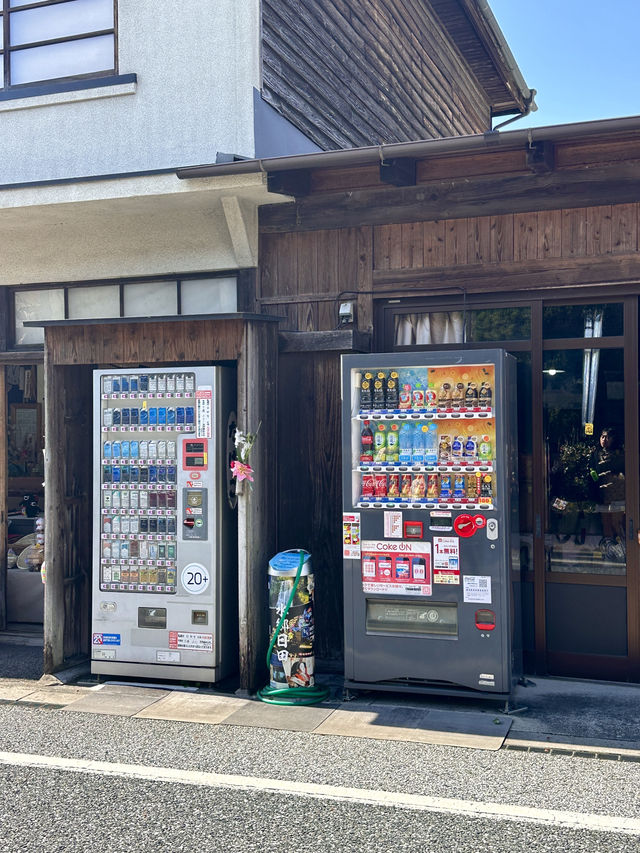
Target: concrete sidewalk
<point>548,714</point>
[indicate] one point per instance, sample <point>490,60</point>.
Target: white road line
<point>414,802</point>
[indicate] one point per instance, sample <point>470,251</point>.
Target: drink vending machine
<point>164,588</point>
<point>430,522</point>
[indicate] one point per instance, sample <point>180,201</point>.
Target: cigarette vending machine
<point>430,522</point>
<point>164,588</point>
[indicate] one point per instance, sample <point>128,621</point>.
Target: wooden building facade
<point>529,240</point>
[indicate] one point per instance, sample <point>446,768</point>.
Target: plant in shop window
<point>240,467</point>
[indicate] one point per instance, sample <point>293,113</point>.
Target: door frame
<point>384,312</point>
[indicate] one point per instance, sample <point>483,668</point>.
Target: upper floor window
<point>56,40</point>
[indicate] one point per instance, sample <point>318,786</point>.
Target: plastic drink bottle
<point>418,456</point>
<point>380,444</point>
<point>366,443</point>
<point>406,444</point>
<point>431,445</point>
<point>392,444</point>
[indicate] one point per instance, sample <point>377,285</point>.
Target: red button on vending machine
<point>464,525</point>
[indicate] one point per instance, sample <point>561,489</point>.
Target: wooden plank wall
<point>140,343</point>
<point>303,275</point>
<point>78,510</point>
<point>306,273</point>
<point>309,481</point>
<point>353,74</point>
<point>542,235</point>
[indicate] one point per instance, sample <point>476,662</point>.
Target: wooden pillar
<point>4,495</point>
<point>257,404</point>
<point>54,461</point>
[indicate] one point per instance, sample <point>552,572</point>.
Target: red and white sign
<point>446,559</point>
<point>401,568</point>
<point>191,640</point>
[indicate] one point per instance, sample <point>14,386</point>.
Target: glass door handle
<point>538,526</point>
<point>631,529</point>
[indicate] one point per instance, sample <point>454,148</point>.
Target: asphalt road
<point>494,801</point>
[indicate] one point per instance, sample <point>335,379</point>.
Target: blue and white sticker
<point>106,639</point>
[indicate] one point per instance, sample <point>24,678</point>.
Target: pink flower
<point>241,471</point>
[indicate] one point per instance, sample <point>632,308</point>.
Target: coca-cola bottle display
<point>366,443</point>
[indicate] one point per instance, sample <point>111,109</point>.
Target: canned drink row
<point>474,487</point>
<point>151,382</point>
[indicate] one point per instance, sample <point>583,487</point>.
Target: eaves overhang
<point>420,149</point>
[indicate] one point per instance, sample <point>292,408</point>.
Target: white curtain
<point>439,327</point>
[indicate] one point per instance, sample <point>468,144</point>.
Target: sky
<point>582,57</point>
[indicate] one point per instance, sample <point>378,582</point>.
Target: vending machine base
<point>425,689</point>
<point>205,675</point>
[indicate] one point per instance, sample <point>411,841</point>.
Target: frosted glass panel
<point>60,20</point>
<point>209,296</point>
<point>83,56</point>
<point>86,303</point>
<point>153,299</point>
<point>36,305</point>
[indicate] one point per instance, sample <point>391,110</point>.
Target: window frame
<point>49,84</point>
<point>244,288</point>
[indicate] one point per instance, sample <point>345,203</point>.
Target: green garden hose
<point>291,695</point>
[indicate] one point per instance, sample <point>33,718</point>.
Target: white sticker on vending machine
<point>446,559</point>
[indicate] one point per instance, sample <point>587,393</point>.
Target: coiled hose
<point>291,695</point>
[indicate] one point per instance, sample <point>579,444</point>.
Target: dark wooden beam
<point>338,340</point>
<point>540,157</point>
<point>509,275</point>
<point>398,171</point>
<point>247,279</point>
<point>294,182</point>
<point>456,199</point>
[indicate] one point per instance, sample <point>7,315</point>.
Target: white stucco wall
<point>197,63</point>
